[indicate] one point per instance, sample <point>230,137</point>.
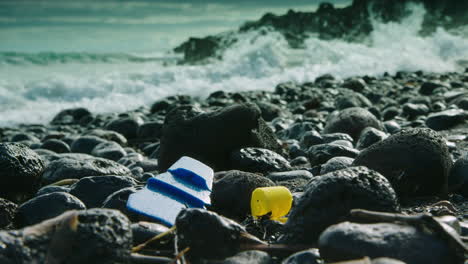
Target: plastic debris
<point>276,201</point>
<point>186,184</point>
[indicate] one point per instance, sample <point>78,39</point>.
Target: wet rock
<point>143,231</point>
<point>109,150</point>
<point>108,135</point>
<point>351,121</point>
<point>46,206</point>
<point>320,154</point>
<point>269,111</point>
<point>51,189</point>
<point>344,143</point>
<point>24,137</point>
<point>351,241</point>
<point>386,261</point>
<point>310,256</point>
<point>311,138</point>
<point>348,100</point>
<point>458,179</point>
<point>150,130</point>
<point>208,235</point>
<point>56,145</point>
<point>258,160</point>
<point>390,113</point>
<point>355,84</point>
<point>295,180</point>
<point>21,169</point>
<point>446,119</point>
<point>106,235</point>
<point>336,163</point>
<point>332,137</point>
<point>392,127</point>
<point>118,201</point>
<point>296,131</point>
<point>211,137</point>
<point>329,198</point>
<point>71,116</point>
<point>246,257</point>
<point>411,111</point>
<point>370,136</point>
<point>416,161</point>
<point>7,213</point>
<point>86,144</point>
<point>128,127</point>
<point>231,194</point>
<point>79,167</point>
<point>428,88</point>
<point>94,190</point>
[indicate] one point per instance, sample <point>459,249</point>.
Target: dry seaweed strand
<point>155,238</point>
<point>180,256</point>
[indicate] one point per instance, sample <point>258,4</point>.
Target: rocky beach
<point>376,162</point>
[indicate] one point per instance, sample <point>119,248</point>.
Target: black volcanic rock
<point>208,235</point>
<point>446,119</point>
<point>351,241</point>
<point>94,190</point>
<point>329,198</point>
<point>21,169</point>
<point>71,116</point>
<point>258,160</point>
<point>7,213</point>
<point>351,121</point>
<point>416,161</point>
<point>46,206</point>
<point>352,23</point>
<point>211,137</point>
<point>96,236</point>
<point>80,167</point>
<point>231,194</point>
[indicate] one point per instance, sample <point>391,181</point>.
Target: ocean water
<point>49,63</point>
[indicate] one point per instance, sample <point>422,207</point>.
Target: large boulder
<point>415,161</point>
<point>211,137</point>
<point>329,198</point>
<point>20,171</point>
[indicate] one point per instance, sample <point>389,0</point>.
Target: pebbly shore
<point>393,144</point>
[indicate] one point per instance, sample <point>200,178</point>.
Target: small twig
<point>180,255</point>
<point>145,259</point>
<point>143,245</point>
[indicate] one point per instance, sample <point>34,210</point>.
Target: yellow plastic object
<point>276,200</point>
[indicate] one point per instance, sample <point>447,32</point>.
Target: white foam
<point>34,94</point>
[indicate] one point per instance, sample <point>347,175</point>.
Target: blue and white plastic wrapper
<point>187,184</point>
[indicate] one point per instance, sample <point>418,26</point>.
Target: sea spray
<point>35,92</point>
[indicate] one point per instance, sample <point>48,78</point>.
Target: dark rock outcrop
<point>351,23</point>
<point>211,137</point>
